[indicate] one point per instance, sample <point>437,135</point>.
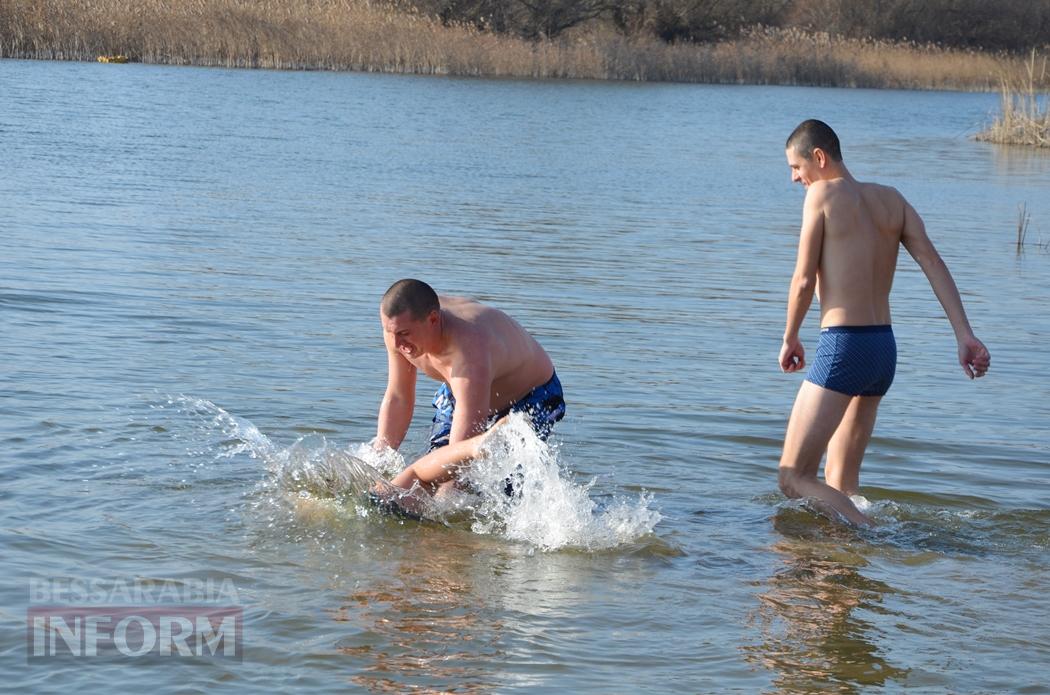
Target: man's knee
<point>788,478</point>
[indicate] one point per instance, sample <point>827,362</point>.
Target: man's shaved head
<point>812,134</point>
<point>414,296</point>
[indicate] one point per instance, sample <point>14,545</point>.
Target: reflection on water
<point>1020,162</point>
<point>815,636</point>
<point>422,625</point>
<point>453,611</point>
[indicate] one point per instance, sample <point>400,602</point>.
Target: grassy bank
<point>364,36</point>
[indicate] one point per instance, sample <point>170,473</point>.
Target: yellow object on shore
<point>113,59</point>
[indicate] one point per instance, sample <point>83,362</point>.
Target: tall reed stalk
<point>1023,218</point>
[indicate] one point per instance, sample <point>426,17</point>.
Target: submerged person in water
<point>488,366</point>
<point>851,233</point>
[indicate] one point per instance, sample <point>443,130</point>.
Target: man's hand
<point>792,355</point>
<point>974,357</point>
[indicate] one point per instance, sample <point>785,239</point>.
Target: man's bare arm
<point>804,279</point>
<point>395,412</point>
<point>472,387</point>
<point>973,355</point>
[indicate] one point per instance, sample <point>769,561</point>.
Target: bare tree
<point>1015,25</point>
<point>548,18</point>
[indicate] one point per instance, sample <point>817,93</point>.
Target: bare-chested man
<point>851,232</point>
<point>488,366</point>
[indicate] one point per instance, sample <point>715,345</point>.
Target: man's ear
<point>433,316</point>
<point>820,157</point>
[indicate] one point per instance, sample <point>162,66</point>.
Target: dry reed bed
<point>1024,118</point>
<point>365,36</point>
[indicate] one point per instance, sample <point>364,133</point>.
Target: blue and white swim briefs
<point>855,360</point>
<point>544,405</point>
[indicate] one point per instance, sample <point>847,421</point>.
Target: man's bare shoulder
<point>885,204</point>
<point>464,308</point>
<point>470,324</point>
<point>478,317</point>
<point>819,191</point>
<point>887,194</point>
<point>828,191</point>
<point>452,302</point>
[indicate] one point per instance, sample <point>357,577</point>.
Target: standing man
<point>851,232</point>
<point>488,366</point>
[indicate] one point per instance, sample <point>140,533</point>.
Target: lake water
<point>189,279</point>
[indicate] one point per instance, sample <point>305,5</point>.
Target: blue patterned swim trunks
<point>855,360</point>
<point>544,405</point>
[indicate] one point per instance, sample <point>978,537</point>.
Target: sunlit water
<point>191,361</point>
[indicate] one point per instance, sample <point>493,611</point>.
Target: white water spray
<point>545,509</point>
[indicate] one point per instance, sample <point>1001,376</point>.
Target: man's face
<point>412,337</point>
<point>804,171</point>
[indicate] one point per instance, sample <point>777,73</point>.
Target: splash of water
<point>314,466</point>
<point>547,509</point>
<point>861,502</point>
<point>238,435</point>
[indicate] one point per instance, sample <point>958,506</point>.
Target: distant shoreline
<point>372,38</point>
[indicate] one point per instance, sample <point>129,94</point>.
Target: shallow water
<point>192,261</point>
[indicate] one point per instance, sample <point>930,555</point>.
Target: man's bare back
<point>481,334</point>
<point>863,225</point>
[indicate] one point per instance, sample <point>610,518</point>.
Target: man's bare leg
<point>848,444</point>
<point>814,419</point>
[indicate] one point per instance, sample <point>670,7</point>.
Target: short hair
<point>414,296</point>
<point>811,134</point>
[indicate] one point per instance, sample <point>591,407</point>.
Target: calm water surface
<point>190,270</point>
